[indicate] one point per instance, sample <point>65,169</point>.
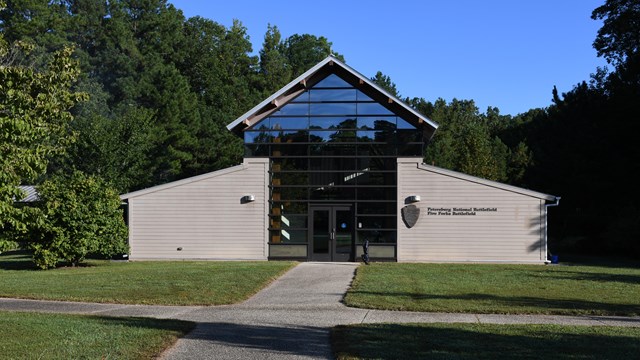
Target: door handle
<point>332,236</point>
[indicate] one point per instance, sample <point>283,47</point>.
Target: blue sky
<point>503,53</point>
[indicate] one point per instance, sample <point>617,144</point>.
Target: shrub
<point>81,214</point>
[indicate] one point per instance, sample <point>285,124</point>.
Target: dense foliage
<point>81,216</point>
<point>163,87</point>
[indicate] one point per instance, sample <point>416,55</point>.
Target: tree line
<point>154,91</point>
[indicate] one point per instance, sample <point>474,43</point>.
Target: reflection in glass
<point>333,108</point>
<point>293,109</point>
<point>377,236</point>
<point>317,123</point>
<point>321,231</point>
<point>333,95</point>
<point>376,122</point>
<point>289,122</point>
<point>332,80</point>
<point>373,109</point>
<point>362,97</point>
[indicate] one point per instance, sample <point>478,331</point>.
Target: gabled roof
<point>486,182</point>
<point>331,65</point>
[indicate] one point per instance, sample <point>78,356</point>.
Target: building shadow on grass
<point>516,304</point>
<point>276,340</point>
<point>474,341</point>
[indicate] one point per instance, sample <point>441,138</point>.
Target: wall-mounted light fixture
<point>413,199</point>
<point>247,199</point>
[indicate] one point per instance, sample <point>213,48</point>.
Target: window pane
<point>290,149</point>
<point>376,136</point>
<point>333,95</point>
<point>377,208</point>
<point>333,109</point>
<point>288,222</point>
<point>333,193</point>
<point>253,150</point>
<point>290,136</point>
<point>304,97</point>
<point>377,236</point>
<point>293,193</point>
<point>288,208</point>
<point>317,123</point>
<point>376,178</point>
<point>287,178</point>
<point>332,80</point>
<point>262,124</point>
<point>333,149</point>
<point>409,135</point>
<point>403,124</point>
<point>362,97</point>
<point>289,122</point>
<point>377,122</point>
<point>293,109</point>
<point>372,109</point>
<point>289,236</point>
<point>257,137</point>
<point>278,165</point>
<point>410,149</point>
<point>376,222</point>
<point>329,164</point>
<point>377,193</point>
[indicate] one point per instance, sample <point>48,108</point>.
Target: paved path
<point>290,319</point>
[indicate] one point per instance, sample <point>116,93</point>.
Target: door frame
<point>332,254</point>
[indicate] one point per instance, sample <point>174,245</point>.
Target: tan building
<point>331,161</point>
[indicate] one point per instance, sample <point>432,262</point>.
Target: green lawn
<point>503,289</point>
<point>483,341</point>
<point>56,336</point>
<point>159,282</point>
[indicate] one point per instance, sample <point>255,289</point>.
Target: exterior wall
<point>513,233</point>
<point>203,215</point>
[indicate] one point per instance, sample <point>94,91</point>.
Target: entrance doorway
<point>331,234</point>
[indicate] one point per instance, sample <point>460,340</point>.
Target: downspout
<point>546,222</point>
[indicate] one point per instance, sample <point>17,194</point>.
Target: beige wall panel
<point>204,218</point>
<point>512,233</point>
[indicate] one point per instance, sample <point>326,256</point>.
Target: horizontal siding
<point>204,218</point>
<point>513,233</point>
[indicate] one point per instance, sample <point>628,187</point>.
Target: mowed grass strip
<point>500,289</point>
<point>147,282</point>
<point>57,336</point>
<point>484,341</point>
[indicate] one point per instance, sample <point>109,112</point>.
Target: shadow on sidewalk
<point>298,341</point>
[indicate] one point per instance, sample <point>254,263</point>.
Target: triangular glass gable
<point>332,81</point>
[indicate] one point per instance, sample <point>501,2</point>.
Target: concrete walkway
<point>290,319</point>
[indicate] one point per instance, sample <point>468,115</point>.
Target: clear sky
<point>503,53</point>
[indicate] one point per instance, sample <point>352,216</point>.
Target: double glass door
<point>332,233</point>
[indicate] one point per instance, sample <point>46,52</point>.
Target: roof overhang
<point>331,65</point>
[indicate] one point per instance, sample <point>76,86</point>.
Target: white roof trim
<point>313,70</point>
<point>183,182</point>
<point>495,184</point>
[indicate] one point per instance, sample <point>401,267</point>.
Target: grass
<point>159,283</point>
<point>56,336</point>
<point>502,289</point>
<point>484,341</point>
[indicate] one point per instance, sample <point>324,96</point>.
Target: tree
<point>385,82</point>
<point>274,67</point>
<point>34,124</point>
<point>113,143</point>
<point>82,216</point>
<point>304,51</point>
<point>619,37</point>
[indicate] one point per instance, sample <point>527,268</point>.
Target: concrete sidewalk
<point>290,319</point>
